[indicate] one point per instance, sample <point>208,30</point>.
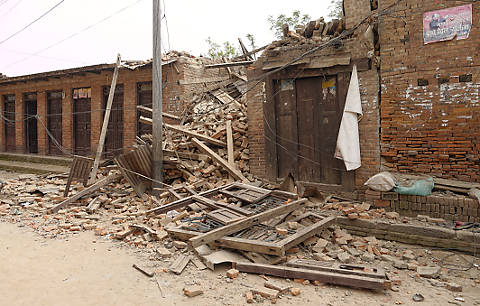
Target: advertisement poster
<point>447,24</point>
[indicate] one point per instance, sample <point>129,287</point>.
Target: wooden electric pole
<point>157,150</point>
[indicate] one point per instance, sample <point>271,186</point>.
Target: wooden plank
<point>204,80</point>
<point>181,203</point>
<point>234,172</point>
<point>196,135</point>
<point>322,276</point>
<point>186,131</point>
<point>185,155</point>
<point>93,205</point>
<point>242,224</point>
<point>328,61</point>
<point>305,233</point>
<point>179,264</point>
<point>244,50</point>
<point>231,64</point>
<point>109,179</point>
<point>216,204</point>
<point>337,268</point>
<point>235,243</point>
<point>278,64</point>
<point>456,184</point>
<point>207,202</point>
<point>149,111</point>
<point>251,52</point>
<point>230,147</point>
<point>106,118</point>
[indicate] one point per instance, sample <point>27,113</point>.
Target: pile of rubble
<point>257,230</point>
<point>209,142</point>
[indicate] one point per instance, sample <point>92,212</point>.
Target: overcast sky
<point>128,32</point>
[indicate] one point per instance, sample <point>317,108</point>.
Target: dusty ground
<point>83,269</point>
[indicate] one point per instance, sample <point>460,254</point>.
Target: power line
<point>74,34</point>
<point>28,25</point>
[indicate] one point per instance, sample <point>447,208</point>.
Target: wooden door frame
<point>119,89</point>
<point>269,114</point>
<point>5,100</point>
<point>74,125</point>
<point>138,94</point>
<point>26,122</point>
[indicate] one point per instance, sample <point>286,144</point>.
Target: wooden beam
<point>242,224</point>
<point>179,264</point>
<point>237,174</point>
<point>109,179</point>
<point>322,276</point>
<point>181,129</point>
<point>149,111</point>
<point>306,232</point>
<point>106,118</point>
<point>181,203</point>
<point>216,205</point>
<point>205,138</point>
<point>185,155</point>
<point>251,52</point>
<point>244,50</point>
<point>231,64</point>
<point>264,247</point>
<point>359,270</point>
<point>204,80</point>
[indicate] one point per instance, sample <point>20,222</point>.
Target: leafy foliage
<point>336,9</point>
<point>295,19</point>
<point>251,40</point>
<point>216,50</point>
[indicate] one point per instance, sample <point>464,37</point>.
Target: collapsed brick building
<point>420,100</point>
<point>70,104</point>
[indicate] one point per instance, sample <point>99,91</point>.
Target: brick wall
<point>430,108</point>
<point>369,127</point>
<point>256,141</point>
<point>451,208</point>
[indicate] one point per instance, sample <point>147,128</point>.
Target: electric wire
<point>74,34</point>
<point>31,23</point>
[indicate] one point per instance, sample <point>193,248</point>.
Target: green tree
<point>216,50</point>
<point>295,19</point>
<point>251,40</point>
<point>336,9</point>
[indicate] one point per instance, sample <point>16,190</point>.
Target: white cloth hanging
<point>348,142</point>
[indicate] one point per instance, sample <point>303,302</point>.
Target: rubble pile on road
<point>257,230</point>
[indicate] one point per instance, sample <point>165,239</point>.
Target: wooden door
<point>9,119</point>
<point>286,127</point>
<point>114,138</point>
<point>144,97</point>
<point>328,112</point>
<point>54,121</point>
<point>81,126</point>
<point>31,138</point>
<point>319,111</point>
<point>309,167</point>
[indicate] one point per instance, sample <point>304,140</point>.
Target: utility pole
<point>157,128</point>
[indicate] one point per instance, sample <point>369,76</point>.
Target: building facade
<point>68,105</point>
<point>420,97</point>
